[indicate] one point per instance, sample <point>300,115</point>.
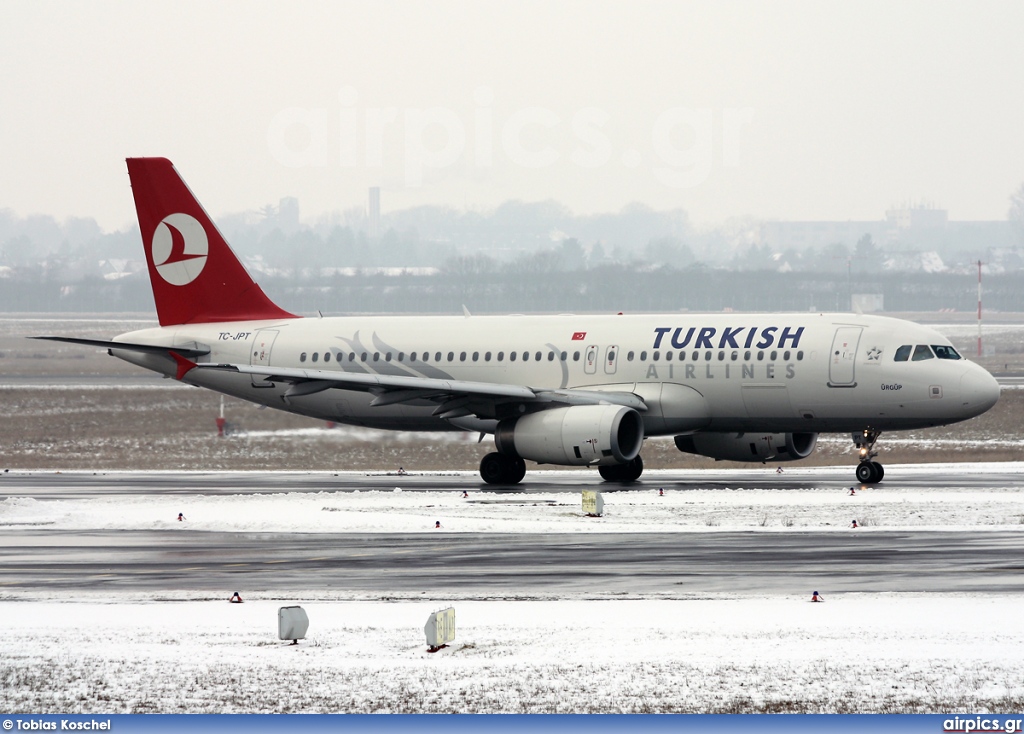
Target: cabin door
<point>843,357</point>
<point>260,357</point>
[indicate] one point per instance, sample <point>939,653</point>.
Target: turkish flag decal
<point>578,336</point>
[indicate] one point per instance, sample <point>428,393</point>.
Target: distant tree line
<point>607,289</point>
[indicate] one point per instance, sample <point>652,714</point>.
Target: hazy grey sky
<point>792,110</point>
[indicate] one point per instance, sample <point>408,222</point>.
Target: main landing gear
<point>869,471</point>
<point>497,468</point>
<point>622,472</point>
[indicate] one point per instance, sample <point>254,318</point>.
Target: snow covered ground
<point>184,652</point>
<point>853,653</point>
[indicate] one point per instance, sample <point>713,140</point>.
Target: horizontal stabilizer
<point>185,351</point>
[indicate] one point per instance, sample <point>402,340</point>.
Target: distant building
<point>374,223</point>
<point>916,228</point>
<point>288,215</point>
<point>807,235</point>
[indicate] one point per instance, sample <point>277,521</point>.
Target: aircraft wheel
<point>516,471</point>
<point>634,469</point>
<point>493,468</point>
<point>622,472</point>
<point>868,472</point>
<point>879,471</point>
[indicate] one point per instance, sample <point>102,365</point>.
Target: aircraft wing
<point>193,350</point>
<point>454,398</point>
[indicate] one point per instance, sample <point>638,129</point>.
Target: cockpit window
<point>922,352</point>
<point>944,352</point>
<point>903,353</point>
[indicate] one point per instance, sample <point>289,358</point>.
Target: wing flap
<point>454,396</point>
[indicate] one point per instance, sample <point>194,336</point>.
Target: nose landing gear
<point>869,471</point>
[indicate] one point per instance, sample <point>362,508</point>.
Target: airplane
<point>582,390</point>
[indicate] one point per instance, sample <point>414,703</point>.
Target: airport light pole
<point>979,308</point>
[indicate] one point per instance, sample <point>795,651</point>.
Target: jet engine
<point>749,446</point>
<point>578,435</point>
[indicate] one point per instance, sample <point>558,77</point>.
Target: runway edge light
<point>292,623</point>
<point>440,629</point>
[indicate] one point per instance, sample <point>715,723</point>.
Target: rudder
<point>196,278</point>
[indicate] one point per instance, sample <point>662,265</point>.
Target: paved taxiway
<point>35,558</point>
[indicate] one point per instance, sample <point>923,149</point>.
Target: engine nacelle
<point>749,446</point>
<point>579,435</point>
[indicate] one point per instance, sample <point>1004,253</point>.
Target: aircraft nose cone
<point>979,391</point>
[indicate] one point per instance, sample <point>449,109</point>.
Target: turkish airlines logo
<point>179,248</point>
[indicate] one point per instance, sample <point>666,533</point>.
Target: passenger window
<point>476,356</point>
<point>735,356</point>
<point>774,356</point>
<point>487,356</point>
<point>551,356</point>
<point>945,352</point>
<point>437,356</point>
<point>668,356</point>
<point>526,356</point>
<point>785,356</point>
<point>575,356</point>
<point>629,356</point>
<point>721,356</point>
<point>921,353</point>
<point>707,356</point>
<point>537,356</point>
<point>611,357</point>
<point>682,356</point>
<point>462,356</point>
<point>512,356</point>
<point>351,356</point>
<point>656,356</point>
<point>302,357</point>
<point>401,356</point>
<point>746,356</point>
<point>412,356</point>
<point>327,356</point>
<point>695,356</point>
<point>316,356</point>
<point>387,357</point>
<point>451,356</point>
<point>376,356</point>
<point>501,356</point>
<point>902,354</point>
<point>800,355</point>
<point>643,356</point>
<point>363,356</point>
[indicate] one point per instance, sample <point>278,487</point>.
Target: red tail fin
<point>196,277</point>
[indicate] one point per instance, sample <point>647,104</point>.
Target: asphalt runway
<point>502,565</point>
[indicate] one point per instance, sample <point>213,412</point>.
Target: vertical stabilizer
<point>196,278</point>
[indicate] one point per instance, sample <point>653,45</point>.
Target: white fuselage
<point>695,372</point>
